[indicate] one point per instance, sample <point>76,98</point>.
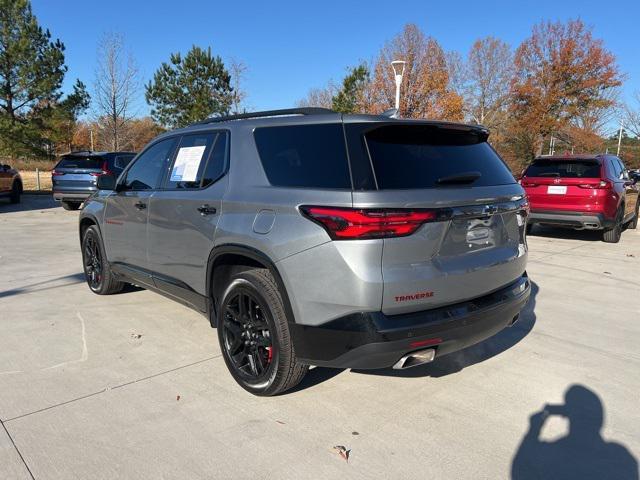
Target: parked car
<point>592,192</point>
<point>10,183</point>
<point>74,177</point>
<point>312,238</point>
<point>634,174</point>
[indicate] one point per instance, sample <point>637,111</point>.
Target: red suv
<point>591,192</point>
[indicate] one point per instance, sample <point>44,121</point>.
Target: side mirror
<point>106,182</point>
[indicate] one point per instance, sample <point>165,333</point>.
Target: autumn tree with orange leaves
<point>426,90</point>
<point>561,73</point>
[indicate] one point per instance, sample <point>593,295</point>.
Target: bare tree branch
<point>116,87</point>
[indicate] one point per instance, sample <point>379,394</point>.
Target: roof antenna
<point>391,113</point>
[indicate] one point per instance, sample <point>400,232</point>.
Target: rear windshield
<point>311,156</point>
<point>423,156</point>
<point>80,162</point>
<point>564,168</point>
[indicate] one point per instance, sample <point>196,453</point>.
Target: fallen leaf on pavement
<point>178,398</point>
<point>136,336</point>
<point>343,452</point>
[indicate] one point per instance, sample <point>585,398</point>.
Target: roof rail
<point>268,113</point>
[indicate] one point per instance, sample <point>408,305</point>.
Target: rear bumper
<point>591,221</point>
<point>374,340</point>
<point>72,195</point>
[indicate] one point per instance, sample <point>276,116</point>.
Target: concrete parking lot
<point>133,385</point>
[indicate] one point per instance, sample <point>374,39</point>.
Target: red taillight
<point>601,185</point>
<point>105,170</point>
<point>56,173</point>
<point>362,223</point>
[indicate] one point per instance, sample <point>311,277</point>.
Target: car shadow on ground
<point>453,362</point>
<point>566,233</point>
<point>72,279</point>
<point>28,203</point>
<point>582,453</point>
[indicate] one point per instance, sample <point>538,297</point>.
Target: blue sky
<point>291,46</point>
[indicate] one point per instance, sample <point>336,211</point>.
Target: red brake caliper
<point>270,354</point>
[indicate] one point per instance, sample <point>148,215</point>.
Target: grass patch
<point>30,181</point>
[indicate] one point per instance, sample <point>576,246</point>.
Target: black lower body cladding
<point>374,340</point>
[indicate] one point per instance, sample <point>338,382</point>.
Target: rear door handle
<point>206,210</point>
<point>140,205</point>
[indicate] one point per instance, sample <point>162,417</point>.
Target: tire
<point>71,205</point>
<point>529,228</point>
<point>252,307</point>
<point>16,190</point>
<point>613,235</point>
<point>633,224</point>
<point>97,273</point>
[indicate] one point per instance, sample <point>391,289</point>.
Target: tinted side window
<point>147,170</point>
<point>217,160</point>
<point>120,162</point>
<point>421,156</point>
<point>616,168</point>
<point>191,158</point>
<point>623,171</point>
<point>312,156</point>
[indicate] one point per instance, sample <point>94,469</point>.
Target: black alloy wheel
<point>92,259</point>
<point>247,337</point>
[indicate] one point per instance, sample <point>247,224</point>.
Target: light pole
<point>398,72</point>
<point>620,137</point>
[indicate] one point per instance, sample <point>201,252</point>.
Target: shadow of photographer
<point>582,453</point>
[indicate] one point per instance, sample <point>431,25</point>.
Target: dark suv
<point>314,238</point>
<point>74,177</point>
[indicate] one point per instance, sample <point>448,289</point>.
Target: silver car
<point>309,237</point>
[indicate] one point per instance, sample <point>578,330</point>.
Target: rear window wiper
<point>459,178</point>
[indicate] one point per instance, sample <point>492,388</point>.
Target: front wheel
<point>613,235</point>
<point>96,268</point>
<point>254,335</point>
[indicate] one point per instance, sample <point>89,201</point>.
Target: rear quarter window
<point>310,156</point>
<point>421,156</point>
<point>120,162</point>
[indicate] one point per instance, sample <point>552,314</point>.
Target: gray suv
<point>309,237</point>
<point>74,177</point>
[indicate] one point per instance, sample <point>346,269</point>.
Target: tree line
<point>37,121</point>
<point>559,89</point>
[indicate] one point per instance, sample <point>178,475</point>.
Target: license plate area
<point>557,190</point>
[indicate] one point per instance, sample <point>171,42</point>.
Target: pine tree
<point>31,72</point>
<point>189,89</point>
<point>347,100</point>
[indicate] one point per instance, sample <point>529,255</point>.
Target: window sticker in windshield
<point>185,168</point>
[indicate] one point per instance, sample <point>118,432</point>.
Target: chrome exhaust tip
<point>414,359</point>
